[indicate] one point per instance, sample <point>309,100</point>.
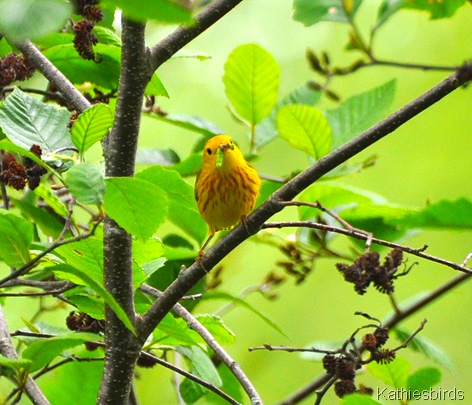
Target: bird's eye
<point>208,151</point>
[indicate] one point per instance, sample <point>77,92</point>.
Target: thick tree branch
<point>164,50</point>
<point>50,72</point>
<point>6,349</point>
<point>122,347</point>
<point>188,278</point>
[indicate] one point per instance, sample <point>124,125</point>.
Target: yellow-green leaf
<point>251,80</point>
<point>305,128</point>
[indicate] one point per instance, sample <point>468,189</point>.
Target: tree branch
<point>188,278</point>
<point>232,365</point>
<point>122,347</point>
<point>28,266</point>
<point>367,237</point>
<point>164,50</point>
<point>390,323</point>
<point>50,72</point>
<point>6,349</point>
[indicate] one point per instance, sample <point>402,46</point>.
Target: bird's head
<point>220,151</point>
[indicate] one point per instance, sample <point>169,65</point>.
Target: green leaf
<point>387,9</point>
<point>145,251</point>
<point>230,385</point>
<point>78,70</point>
<point>394,373</point>
<point>423,379</point>
<point>55,38</point>
<point>15,364</point>
<point>106,36</point>
<point>86,182</point>
<point>97,286</point>
<point>443,214</point>
<point>91,126</point>
<point>151,267</point>
<point>201,366</point>
<point>305,128</point>
<point>85,255</point>
<point>31,19</point>
<point>155,87</point>
<point>175,332</point>
<point>436,9</point>
<point>16,236</point>
<point>50,199</point>
<point>266,130</point>
<point>138,206</point>
<point>155,156</point>
<point>426,347</point>
<point>46,221</point>
<point>217,328</point>
<point>189,166</point>
<point>358,399</point>
<point>183,210</point>
<point>44,351</point>
<point>27,121</point>
<point>218,295</point>
<point>86,302</point>
<point>335,196</point>
<point>361,208</point>
<point>82,380</point>
<point>165,11</point>
<point>5,47</point>
<point>360,112</point>
<point>310,12</point>
<point>251,81</point>
<point>195,124</point>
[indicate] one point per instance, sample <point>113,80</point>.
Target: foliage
<point>66,214</point>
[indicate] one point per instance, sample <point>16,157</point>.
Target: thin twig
<point>194,324</point>
<point>292,349</point>
<point>321,393</point>
<point>28,266</point>
<point>190,376</point>
<point>333,215</point>
<point>363,236</point>
<point>49,94</point>
<point>412,336</point>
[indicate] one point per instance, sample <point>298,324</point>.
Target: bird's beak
<point>225,146</point>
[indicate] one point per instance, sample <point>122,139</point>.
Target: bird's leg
<point>201,252</point>
<point>246,226</point>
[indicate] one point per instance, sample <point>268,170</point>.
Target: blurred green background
<point>427,159</point>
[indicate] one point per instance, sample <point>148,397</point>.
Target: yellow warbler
<point>227,187</point>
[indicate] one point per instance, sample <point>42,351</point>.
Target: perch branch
<point>188,278</point>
